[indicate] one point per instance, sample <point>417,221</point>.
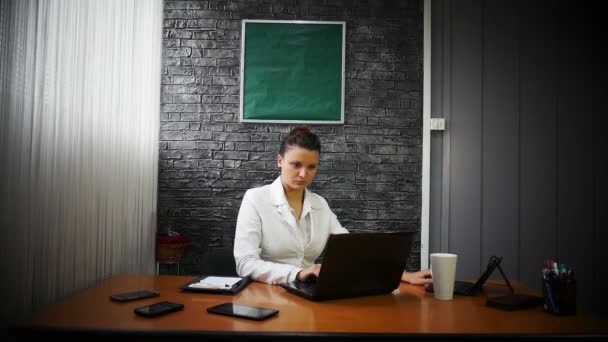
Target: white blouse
<point>270,245</point>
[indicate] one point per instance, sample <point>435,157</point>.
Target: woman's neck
<point>294,195</point>
<point>295,200</point>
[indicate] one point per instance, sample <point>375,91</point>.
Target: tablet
<point>129,296</point>
<point>243,311</point>
<point>158,309</point>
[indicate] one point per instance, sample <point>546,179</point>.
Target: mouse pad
<point>514,302</point>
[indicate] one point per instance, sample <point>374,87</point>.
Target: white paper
<point>216,283</point>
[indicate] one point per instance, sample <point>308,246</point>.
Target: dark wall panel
<point>465,123</point>
<point>538,105</point>
<point>500,135</point>
<point>574,154</point>
<point>437,137</point>
<point>599,277</point>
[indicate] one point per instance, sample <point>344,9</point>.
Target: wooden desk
<point>409,310</point>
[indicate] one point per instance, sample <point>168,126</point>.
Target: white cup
<point>443,270</point>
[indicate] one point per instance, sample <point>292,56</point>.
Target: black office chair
<point>218,261</point>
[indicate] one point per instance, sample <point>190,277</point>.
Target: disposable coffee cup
<point>443,270</point>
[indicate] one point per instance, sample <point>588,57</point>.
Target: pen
<point>563,273</point>
<point>555,269</point>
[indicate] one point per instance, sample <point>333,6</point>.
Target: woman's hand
<point>309,273</point>
<point>417,278</point>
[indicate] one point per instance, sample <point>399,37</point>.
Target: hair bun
<point>301,129</point>
<point>302,136</point>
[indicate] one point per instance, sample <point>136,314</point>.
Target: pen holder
<point>559,296</point>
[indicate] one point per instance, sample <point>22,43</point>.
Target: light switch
<point>437,124</point>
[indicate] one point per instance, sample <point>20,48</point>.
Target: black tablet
<point>158,309</point>
<point>129,296</point>
<point>243,311</point>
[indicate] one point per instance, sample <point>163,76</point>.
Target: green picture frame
<point>292,71</point>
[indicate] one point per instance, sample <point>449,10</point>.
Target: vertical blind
<point>79,118</point>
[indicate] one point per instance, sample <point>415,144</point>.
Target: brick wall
<point>370,170</point>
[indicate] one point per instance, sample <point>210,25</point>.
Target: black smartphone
<point>243,311</point>
<point>158,309</point>
<point>129,296</point>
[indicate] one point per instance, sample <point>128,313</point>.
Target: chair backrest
<point>218,261</point>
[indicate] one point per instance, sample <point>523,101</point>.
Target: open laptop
<point>467,288</point>
<point>358,264</point>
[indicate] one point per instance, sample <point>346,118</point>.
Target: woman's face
<point>298,167</point>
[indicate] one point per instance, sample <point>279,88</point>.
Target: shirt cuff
<point>293,274</point>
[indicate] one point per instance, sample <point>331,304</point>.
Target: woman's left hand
<point>417,278</point>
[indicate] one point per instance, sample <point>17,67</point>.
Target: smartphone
<point>129,296</point>
<point>158,309</point>
<point>243,311</point>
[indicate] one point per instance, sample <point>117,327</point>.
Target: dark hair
<point>302,137</point>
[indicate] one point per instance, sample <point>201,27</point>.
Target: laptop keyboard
<point>308,287</point>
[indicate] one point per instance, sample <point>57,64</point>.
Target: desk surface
<point>408,310</point>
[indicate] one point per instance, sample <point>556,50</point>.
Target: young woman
<point>282,228</point>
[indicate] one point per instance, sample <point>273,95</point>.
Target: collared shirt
<point>270,245</point>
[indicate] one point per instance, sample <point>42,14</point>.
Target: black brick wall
<point>370,170</point>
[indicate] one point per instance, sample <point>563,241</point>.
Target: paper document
<point>216,283</point>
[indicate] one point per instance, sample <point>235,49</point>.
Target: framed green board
<point>292,71</point>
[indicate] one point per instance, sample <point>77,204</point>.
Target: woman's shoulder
<point>258,192</point>
<point>317,200</point>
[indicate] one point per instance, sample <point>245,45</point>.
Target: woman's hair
<point>300,136</point>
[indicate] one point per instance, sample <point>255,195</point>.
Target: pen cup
<point>559,296</point>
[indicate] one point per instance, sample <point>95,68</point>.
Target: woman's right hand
<point>310,273</point>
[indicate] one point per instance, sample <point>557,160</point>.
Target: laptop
<point>467,288</point>
<point>356,265</point>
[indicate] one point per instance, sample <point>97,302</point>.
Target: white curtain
<point>79,121</point>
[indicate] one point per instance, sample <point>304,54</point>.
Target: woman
<point>282,228</point>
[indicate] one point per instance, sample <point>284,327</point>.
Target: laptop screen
<point>359,264</point>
